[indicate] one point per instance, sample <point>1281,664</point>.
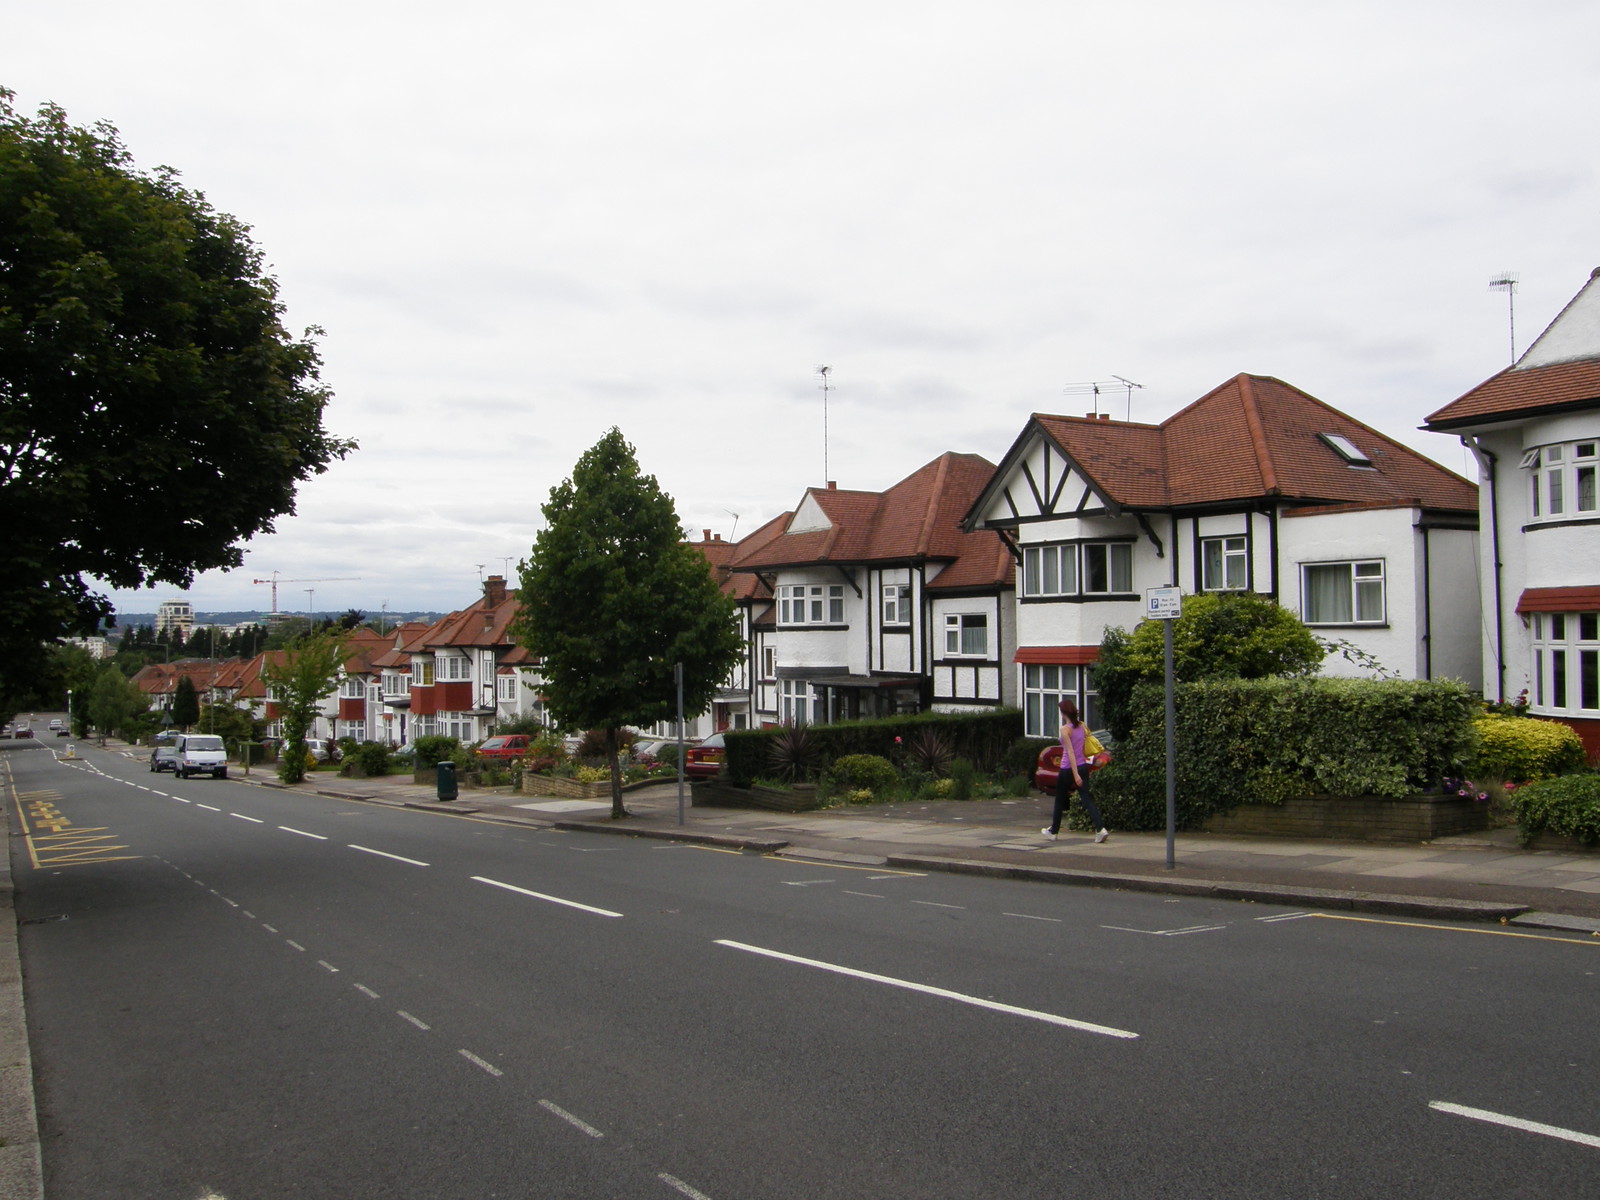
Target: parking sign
<point>1163,603</point>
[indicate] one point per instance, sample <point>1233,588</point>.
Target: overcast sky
<point>522,224</point>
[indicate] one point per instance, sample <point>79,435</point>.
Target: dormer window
<point>1346,449</point>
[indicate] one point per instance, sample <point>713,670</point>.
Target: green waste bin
<point>447,781</point>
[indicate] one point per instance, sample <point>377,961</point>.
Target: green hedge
<point>1569,806</point>
<point>1526,748</point>
<point>983,738</point>
<point>1263,741</point>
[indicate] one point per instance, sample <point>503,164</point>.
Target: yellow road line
<point>1538,937</point>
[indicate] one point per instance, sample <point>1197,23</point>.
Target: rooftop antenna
<point>1130,385</point>
<point>505,568</point>
<point>1506,282</point>
<point>824,372</point>
<point>735,517</point>
<point>480,572</point>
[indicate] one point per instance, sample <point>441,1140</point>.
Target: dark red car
<point>1049,764</point>
<point>705,760</point>
<point>507,745</point>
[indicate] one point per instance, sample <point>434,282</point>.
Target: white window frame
<point>422,672</point>
<point>896,604</point>
<point>962,634</point>
<point>796,705</point>
<point>351,688</point>
<point>810,604</point>
<point>1062,569</point>
<point>1566,664</point>
<point>1231,570</point>
<point>1563,480</point>
<point>1045,686</point>
<point>506,686</point>
<point>769,662</point>
<point>454,668</point>
<point>1367,596</point>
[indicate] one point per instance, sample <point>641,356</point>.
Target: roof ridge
<point>1258,435</point>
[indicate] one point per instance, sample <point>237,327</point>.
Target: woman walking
<point>1074,767</point>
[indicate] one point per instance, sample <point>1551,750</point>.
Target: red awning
<point>1065,656</point>
<point>1559,599</point>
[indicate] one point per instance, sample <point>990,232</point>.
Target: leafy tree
<point>154,413</point>
<point>352,618</point>
<point>116,705</point>
<point>302,679</point>
<point>1221,635</point>
<point>235,724</point>
<point>612,598</point>
<point>185,703</point>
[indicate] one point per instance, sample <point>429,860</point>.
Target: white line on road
<point>322,962</point>
<point>1494,1118</point>
<point>405,1016</point>
<point>365,990</point>
<point>294,945</point>
<point>805,882</point>
<point>478,1062</point>
<point>302,832</point>
<point>248,913</point>
<point>207,807</point>
<point>1294,916</point>
<point>868,895</point>
<point>511,887</point>
<point>1031,917</point>
<point>683,1187</point>
<point>252,820</point>
<point>386,854</point>
<point>269,928</point>
<point>570,1119</point>
<point>1166,932</point>
<point>927,989</point>
<point>936,904</point>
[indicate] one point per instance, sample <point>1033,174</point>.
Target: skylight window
<point>1346,449</point>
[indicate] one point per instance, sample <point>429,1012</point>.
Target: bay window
<point>1077,569</point>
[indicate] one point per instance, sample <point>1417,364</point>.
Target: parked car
<point>1049,764</point>
<point>658,748</point>
<point>63,731</point>
<point>505,745</point>
<point>201,754</point>
<point>22,731</point>
<point>704,759</point>
<point>56,726</point>
<point>165,756</point>
<point>322,751</point>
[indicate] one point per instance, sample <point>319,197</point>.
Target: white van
<point>201,754</point>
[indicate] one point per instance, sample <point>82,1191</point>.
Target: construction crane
<point>275,581</point>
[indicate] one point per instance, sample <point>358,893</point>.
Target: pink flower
<point>897,741</point>
<point>1483,795</point>
<point>1462,792</point>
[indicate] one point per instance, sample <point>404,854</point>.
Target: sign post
<point>1165,604</point>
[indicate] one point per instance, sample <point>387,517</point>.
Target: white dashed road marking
<point>575,1122</point>
<point>1494,1118</point>
<point>385,854</point>
<point>510,887</point>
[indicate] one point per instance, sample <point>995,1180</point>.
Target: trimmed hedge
<point>983,738</point>
<point>1262,741</point>
<point>1526,748</point>
<point>1569,806</point>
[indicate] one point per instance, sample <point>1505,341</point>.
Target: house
<point>880,602</point>
<point>358,703</point>
<point>734,705</point>
<point>1534,429</point>
<point>1256,486</point>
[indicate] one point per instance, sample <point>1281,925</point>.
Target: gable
<point>1036,482</point>
<point>809,517</point>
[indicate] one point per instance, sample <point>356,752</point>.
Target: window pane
<point>1555,492</point>
<point>975,635</point>
<point>1094,569</point>
<point>1585,489</point>
<point>952,635</point>
<point>1051,556</point>
<point>1369,600</point>
<point>1558,627</point>
<point>1122,568</point>
<point>1588,627</point>
<point>1030,571</point>
<point>836,605</point>
<point>1327,598</point>
<point>1558,678</point>
<point>1589,678</point>
<point>1211,575</point>
<point>1069,570</point>
<point>1238,568</point>
<point>1031,715</point>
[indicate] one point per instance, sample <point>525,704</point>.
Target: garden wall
<point>1356,818</point>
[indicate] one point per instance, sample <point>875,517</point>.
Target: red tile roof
<point>1522,391</point>
<point>1559,599</point>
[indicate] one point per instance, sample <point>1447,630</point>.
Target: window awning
<point>1559,599</point>
<point>1064,656</point>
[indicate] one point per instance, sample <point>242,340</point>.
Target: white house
<point>1534,429</point>
<point>1256,486</point>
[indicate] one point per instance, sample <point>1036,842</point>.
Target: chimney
<point>833,485</point>
<point>494,590</point>
<point>707,536</point>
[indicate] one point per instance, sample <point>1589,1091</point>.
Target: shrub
<point>869,772</point>
<point>591,774</point>
<point>1526,748</point>
<point>792,753</point>
<point>860,796</point>
<point>929,750</point>
<point>369,758</point>
<point>1569,806</point>
<point>431,749</point>
<point>981,736</point>
<point>962,777</point>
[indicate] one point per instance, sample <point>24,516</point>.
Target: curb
<point>21,1157</point>
<point>726,840</point>
<point>1405,906</point>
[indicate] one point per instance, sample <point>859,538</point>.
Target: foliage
<point>234,723</point>
<point>185,703</point>
<point>869,771</point>
<point>612,598</point>
<point>154,413</point>
<point>527,723</point>
<point>963,777</point>
<point>793,754</point>
<point>593,743</point>
<point>366,758</point>
<point>930,751</point>
<point>302,678</point>
<point>1569,806</point>
<point>1525,748</point>
<point>115,706</point>
<point>434,748</point>
<point>1221,635</point>
<point>983,737</point>
<point>591,774</point>
<point>1265,740</point>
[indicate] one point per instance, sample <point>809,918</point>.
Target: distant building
<point>97,647</point>
<point>175,615</point>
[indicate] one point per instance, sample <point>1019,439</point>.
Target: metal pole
<point>677,678</point>
<point>1172,768</point>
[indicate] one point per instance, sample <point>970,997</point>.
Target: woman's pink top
<point>1072,739</point>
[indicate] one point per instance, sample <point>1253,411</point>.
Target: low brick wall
<point>1357,818</point>
<point>718,793</point>
<point>560,785</point>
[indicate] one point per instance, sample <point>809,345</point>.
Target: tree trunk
<point>617,811</point>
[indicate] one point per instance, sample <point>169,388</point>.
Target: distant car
<point>704,760</point>
<point>63,732</point>
<point>22,732</point>
<point>505,745</point>
<point>322,751</point>
<point>56,724</point>
<point>1048,767</point>
<point>658,747</point>
<point>165,756</point>
<point>201,754</point>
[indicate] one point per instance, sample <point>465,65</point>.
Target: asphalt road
<point>246,994</point>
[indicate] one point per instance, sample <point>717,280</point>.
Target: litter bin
<point>447,781</point>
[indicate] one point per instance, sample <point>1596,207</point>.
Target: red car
<point>1049,764</point>
<point>508,745</point>
<point>705,760</point>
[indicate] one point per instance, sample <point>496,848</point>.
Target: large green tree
<point>154,412</point>
<point>185,702</point>
<point>612,598</point>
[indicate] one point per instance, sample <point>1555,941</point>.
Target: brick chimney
<point>494,590</point>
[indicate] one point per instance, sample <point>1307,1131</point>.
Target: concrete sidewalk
<point>1474,877</point>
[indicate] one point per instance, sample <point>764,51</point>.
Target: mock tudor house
<point>1534,429</point>
<point>1257,486</point>
<point>882,604</point>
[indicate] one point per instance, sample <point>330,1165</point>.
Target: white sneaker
<point>1048,834</point>
<point>1102,836</point>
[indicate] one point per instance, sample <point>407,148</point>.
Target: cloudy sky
<point>522,224</point>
